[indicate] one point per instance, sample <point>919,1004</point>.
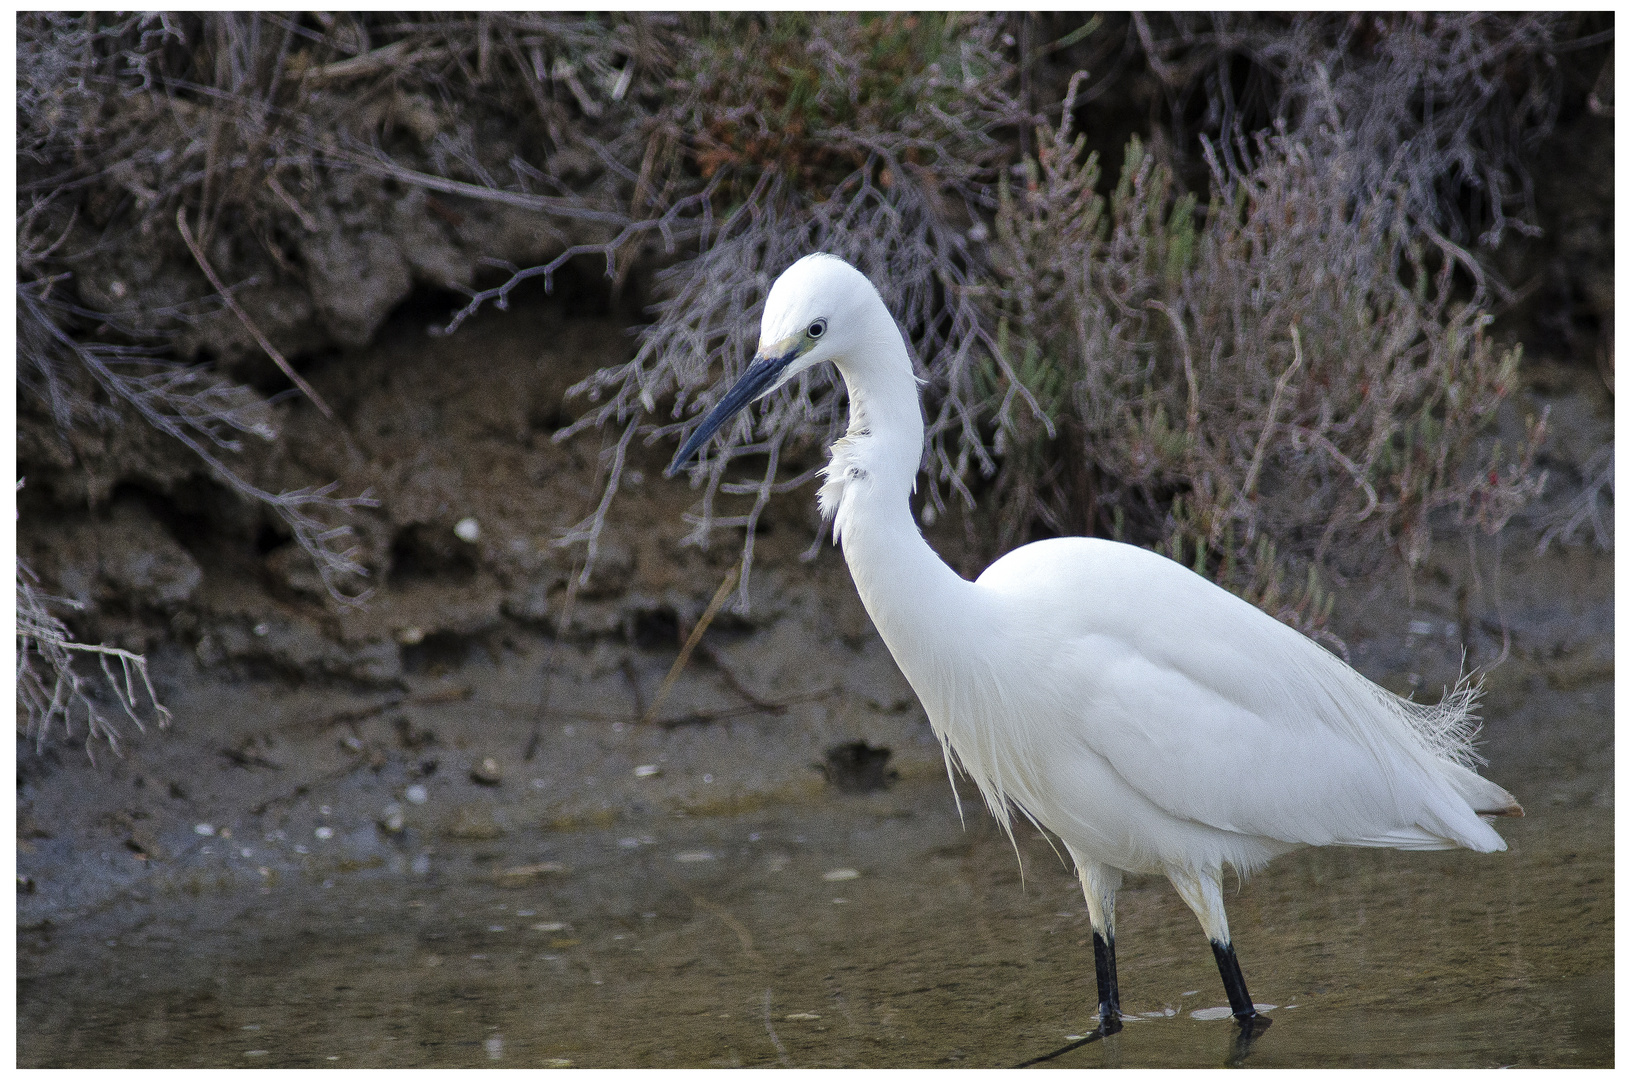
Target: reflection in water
<point>738,941</point>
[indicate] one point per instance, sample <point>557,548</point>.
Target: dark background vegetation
<point>1256,290</point>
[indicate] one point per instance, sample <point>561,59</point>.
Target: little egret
<point>1154,722</point>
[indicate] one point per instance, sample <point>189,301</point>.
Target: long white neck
<point>920,606</point>
<point>933,621</point>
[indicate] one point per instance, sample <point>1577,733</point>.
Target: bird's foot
<point>1248,1027</point>
<point>1109,1024</point>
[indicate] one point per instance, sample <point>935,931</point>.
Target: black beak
<point>760,376</point>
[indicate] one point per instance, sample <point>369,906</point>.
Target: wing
<point>1221,714</point>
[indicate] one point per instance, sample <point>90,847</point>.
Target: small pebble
<point>647,770</point>
<point>468,529</point>
<point>393,821</point>
<point>204,828</point>
<point>416,794</point>
<point>409,635</point>
<point>842,874</point>
<point>487,772</point>
<point>323,832</point>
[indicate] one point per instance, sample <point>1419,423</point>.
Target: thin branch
<point>721,594</point>
<point>243,317</point>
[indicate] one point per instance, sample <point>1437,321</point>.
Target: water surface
<point>748,941</point>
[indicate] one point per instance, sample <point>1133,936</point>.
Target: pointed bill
<point>761,377</point>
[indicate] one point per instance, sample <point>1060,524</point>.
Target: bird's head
<point>821,308</point>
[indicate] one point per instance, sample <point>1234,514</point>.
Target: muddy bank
<point>311,862</point>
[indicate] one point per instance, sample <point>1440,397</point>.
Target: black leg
<point>1104,967</point>
<point>1251,1022</point>
<point>1234,984</point>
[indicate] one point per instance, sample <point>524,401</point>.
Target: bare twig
<point>187,419</point>
<point>55,691</point>
<point>720,596</point>
<point>1250,483</point>
<point>243,317</point>
<point>665,224</point>
<point>1594,506</point>
<point>374,161</point>
<point>306,220</point>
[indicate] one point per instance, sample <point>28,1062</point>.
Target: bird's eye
<point>817,328</point>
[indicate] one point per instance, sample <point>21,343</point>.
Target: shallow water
<point>494,929</point>
<point>731,941</point>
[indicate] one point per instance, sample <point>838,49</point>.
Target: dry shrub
<point>281,140</point>
<point>280,143</point>
<point>738,142</point>
<point>193,405</point>
<point>1128,366</point>
<point>1593,506</point>
<point>50,689</point>
<point>870,137</point>
<point>1447,108</point>
<point>1285,378</point>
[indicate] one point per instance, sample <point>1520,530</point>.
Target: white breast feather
<point>842,471</point>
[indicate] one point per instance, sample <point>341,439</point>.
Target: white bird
<point>1154,722</point>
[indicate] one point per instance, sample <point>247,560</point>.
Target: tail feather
<point>1486,798</point>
